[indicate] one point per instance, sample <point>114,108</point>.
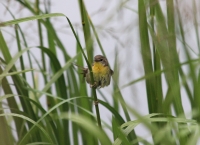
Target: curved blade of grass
<point>97,37</point>
<point>43,16</point>
<point>13,61</point>
<point>14,73</point>
<point>58,74</point>
<point>25,137</point>
<point>158,72</point>
<point>132,124</point>
<point>53,133</point>
<point>114,112</point>
<point>122,138</point>
<point>89,126</point>
<point>6,96</point>
<point>30,120</point>
<point>194,138</point>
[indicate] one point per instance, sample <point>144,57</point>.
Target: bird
<point>101,72</point>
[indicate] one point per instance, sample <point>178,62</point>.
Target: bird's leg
<point>96,102</point>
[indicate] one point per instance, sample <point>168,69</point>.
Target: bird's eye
<point>101,59</point>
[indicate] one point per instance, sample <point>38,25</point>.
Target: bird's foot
<point>95,85</point>
<point>96,103</point>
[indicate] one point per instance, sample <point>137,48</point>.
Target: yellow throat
<point>99,68</point>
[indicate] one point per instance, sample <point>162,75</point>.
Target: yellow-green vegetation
<point>65,115</point>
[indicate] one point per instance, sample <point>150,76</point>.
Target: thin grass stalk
<point>97,37</point>
<point>20,129</point>
<point>72,93</point>
<point>91,74</point>
<point>146,56</point>
<point>118,99</point>
<point>19,49</point>
<point>49,102</point>
<point>41,39</point>
<point>89,47</point>
<point>156,67</point>
<point>88,43</point>
<point>168,58</point>
<point>191,66</point>
<point>196,87</point>
<point>172,45</point>
<point>84,103</point>
<point>196,25</point>
<point>115,70</point>
<point>115,125</point>
<point>116,92</point>
<point>86,31</point>
<point>5,132</point>
<point>156,61</point>
<point>173,50</point>
<point>18,28</point>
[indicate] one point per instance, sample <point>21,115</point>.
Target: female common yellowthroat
<point>101,72</point>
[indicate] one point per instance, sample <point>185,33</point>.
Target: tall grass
<point>44,101</point>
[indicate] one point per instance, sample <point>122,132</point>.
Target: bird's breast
<point>99,68</point>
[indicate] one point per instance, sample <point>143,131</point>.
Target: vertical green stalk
<point>146,57</point>
<point>86,31</point>
<point>194,100</point>
<point>40,38</point>
<point>197,84</point>
<point>196,25</point>
<point>91,74</point>
<point>180,24</point>
<point>19,49</point>
<point>175,61</point>
<point>173,51</point>
<point>5,132</point>
<point>20,128</point>
<point>157,63</point>
<point>89,47</point>
<point>168,55</point>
